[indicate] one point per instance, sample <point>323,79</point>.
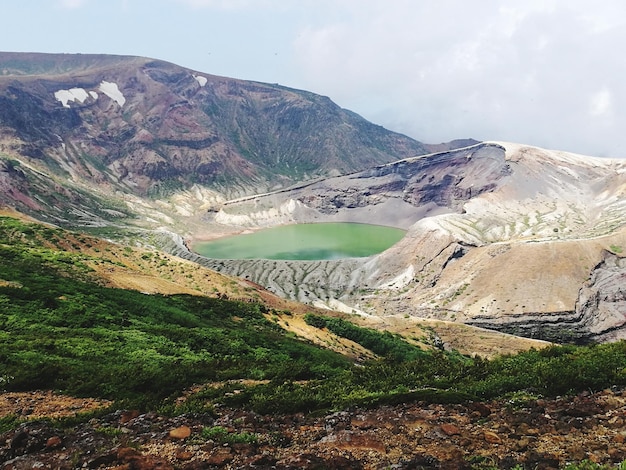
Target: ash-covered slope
<point>113,125</point>
<point>504,236</point>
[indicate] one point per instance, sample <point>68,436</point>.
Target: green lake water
<point>304,242</point>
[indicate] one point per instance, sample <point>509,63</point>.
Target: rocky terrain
<point>503,236</point>
<point>524,431</point>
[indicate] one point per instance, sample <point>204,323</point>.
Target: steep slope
<point>132,130</point>
<point>504,236</point>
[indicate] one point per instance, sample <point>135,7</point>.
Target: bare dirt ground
<point>528,432</point>
<point>46,404</point>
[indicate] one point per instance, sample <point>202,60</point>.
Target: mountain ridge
<point>503,236</point>
<point>149,127</point>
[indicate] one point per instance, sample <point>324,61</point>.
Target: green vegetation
<point>60,329</point>
<point>382,343</point>
<point>444,377</point>
<point>221,435</point>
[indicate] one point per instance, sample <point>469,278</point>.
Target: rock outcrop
<point>499,235</point>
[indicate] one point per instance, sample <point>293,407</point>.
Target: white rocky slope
<point>499,235</point>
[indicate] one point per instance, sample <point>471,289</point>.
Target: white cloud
<point>72,4</point>
<point>226,4</point>
<point>600,103</point>
<point>530,72</point>
<point>542,72</point>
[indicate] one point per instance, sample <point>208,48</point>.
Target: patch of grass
<point>382,343</point>
<point>8,422</point>
<point>221,435</point>
<point>109,431</point>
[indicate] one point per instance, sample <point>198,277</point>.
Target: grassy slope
<point>63,327</point>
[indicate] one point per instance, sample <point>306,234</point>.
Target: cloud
<point>226,4</point>
<point>541,72</point>
<point>534,72</point>
<point>600,103</point>
<point>72,4</point>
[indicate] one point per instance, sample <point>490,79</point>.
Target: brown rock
<point>522,444</point>
<point>128,415</point>
<point>126,453</point>
<point>616,455</point>
<point>220,458</point>
<point>195,465</point>
<point>481,408</point>
<point>182,432</point>
<point>450,429</point>
<point>350,440</point>
<point>301,461</point>
<point>184,455</point>
<point>54,441</point>
<point>244,449</point>
<point>137,461</point>
<point>263,460</point>
<point>492,437</point>
<point>575,453</point>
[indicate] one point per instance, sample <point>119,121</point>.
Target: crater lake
<point>318,241</point>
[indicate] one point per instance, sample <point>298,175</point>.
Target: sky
<point>550,73</point>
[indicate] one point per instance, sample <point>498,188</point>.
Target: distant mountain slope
<point>115,124</point>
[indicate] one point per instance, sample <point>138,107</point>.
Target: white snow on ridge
<point>200,79</point>
<point>80,94</point>
<point>112,91</point>
<point>73,94</point>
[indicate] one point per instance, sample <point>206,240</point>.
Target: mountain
<point>503,236</point>
<point>499,235</point>
<point>109,129</point>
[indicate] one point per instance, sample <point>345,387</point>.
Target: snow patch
<point>112,91</point>
<point>73,94</point>
<point>200,79</point>
<point>80,94</point>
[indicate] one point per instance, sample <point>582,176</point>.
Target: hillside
<point>503,236</point>
<point>91,139</point>
<point>198,378</point>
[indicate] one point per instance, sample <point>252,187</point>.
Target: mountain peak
<point>152,128</point>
